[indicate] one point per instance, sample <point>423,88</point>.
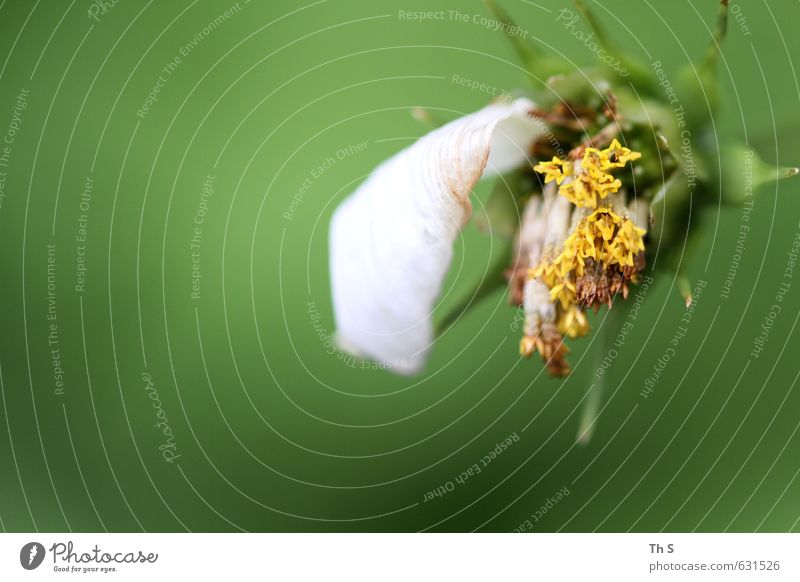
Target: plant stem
<point>594,400</point>
<point>491,283</point>
<point>720,31</point>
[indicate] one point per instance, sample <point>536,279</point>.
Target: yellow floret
<point>573,323</point>
<point>627,242</point>
<point>617,156</point>
<point>557,170</point>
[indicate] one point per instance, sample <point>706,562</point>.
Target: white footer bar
<point>400,557</point>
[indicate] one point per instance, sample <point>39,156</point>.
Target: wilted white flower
<point>391,242</point>
<point>597,178</point>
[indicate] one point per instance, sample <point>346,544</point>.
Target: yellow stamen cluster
<point>609,240</point>
<point>592,182</point>
<point>586,189</point>
<point>602,236</point>
<point>570,319</point>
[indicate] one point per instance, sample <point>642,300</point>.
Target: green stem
<point>639,75</point>
<point>598,29</point>
<point>712,54</point>
<point>594,399</point>
<point>535,60</point>
<point>491,283</point>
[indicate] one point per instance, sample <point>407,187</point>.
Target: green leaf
<point>743,172</point>
<point>637,73</point>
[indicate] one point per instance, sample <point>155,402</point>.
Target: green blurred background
<point>249,135</point>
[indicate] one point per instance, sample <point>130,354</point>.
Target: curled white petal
<point>391,242</point>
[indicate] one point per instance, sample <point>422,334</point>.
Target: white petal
<point>391,242</point>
